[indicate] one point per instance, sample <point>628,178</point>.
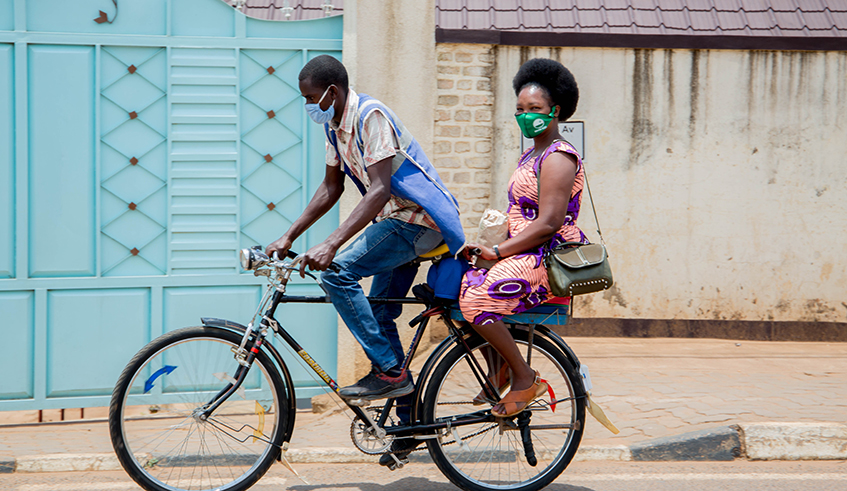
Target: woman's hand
<point>484,252</point>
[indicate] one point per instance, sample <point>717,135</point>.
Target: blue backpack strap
<point>370,105</point>
<point>333,139</point>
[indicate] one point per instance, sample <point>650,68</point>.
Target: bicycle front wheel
<point>491,455</point>
<point>154,417</point>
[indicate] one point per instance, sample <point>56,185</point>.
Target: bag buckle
<point>585,262</point>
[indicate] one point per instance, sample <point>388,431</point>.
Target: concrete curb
<point>68,462</point>
<point>715,444</point>
<point>795,441</point>
<point>760,441</point>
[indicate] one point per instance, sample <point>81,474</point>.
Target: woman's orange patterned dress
<point>519,282</point>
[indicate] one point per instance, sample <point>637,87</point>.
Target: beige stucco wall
<point>720,178</point>
<point>389,53</point>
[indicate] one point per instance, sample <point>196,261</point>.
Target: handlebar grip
<point>332,267</point>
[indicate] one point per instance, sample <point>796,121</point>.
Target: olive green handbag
<point>574,268</point>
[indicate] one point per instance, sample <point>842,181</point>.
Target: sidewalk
<point>657,392</point>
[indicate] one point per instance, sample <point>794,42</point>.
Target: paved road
<point>580,476</point>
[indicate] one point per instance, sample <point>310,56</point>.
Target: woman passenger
<point>547,94</point>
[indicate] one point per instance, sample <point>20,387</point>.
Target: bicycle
<point>225,401</point>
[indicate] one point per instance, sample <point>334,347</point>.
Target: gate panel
<point>61,166</point>
<point>108,325</point>
<point>202,18</point>
<point>7,161</point>
<point>7,15</point>
<point>204,181</point>
<point>133,164</point>
<point>17,363</point>
<point>184,306</point>
<point>133,161</point>
<point>147,16</point>
<point>271,143</point>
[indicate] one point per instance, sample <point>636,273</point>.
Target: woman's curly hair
<point>554,78</point>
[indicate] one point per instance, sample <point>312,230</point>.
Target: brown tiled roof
<point>792,24</point>
<point>300,9</point>
<point>740,17</point>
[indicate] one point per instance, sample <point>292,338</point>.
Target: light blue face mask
<point>317,114</point>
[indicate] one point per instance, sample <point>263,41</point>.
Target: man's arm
<point>320,256</point>
<point>327,194</point>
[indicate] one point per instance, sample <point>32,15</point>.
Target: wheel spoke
<point>175,449</point>
<point>492,455</point>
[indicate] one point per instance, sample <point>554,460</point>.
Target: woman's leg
<point>498,336</point>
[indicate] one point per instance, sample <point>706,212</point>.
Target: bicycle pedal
<point>398,464</point>
<point>359,402</point>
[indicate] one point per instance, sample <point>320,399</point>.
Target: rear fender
<point>555,338</point>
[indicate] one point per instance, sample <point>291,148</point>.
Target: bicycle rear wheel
<point>491,455</point>
<point>154,415</point>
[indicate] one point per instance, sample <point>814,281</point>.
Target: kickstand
<point>287,464</point>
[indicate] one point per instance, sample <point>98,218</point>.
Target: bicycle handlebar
<point>335,268</point>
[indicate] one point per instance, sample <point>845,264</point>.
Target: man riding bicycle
<point>411,210</point>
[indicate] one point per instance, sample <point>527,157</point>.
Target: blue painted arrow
<point>149,383</point>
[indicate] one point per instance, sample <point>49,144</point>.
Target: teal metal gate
<point>136,156</point>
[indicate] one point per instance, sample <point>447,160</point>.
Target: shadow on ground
<point>411,484</point>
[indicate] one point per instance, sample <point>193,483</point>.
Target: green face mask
<point>533,124</point>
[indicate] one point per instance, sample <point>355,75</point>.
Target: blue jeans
<point>383,251</point>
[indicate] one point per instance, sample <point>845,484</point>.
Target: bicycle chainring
<point>365,438</point>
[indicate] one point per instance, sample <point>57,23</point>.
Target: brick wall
<point>464,128</point>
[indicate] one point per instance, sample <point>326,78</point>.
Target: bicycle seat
<point>442,249</point>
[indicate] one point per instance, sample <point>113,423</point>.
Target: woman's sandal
<point>518,400</point>
<point>503,373</point>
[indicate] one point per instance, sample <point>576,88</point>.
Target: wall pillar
<point>389,53</point>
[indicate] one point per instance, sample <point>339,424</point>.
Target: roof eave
<point>655,41</point>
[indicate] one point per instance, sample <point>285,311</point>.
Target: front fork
<point>231,388</point>
<point>244,355</point>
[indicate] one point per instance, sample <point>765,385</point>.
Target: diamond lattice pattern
<point>272,148</point>
<point>133,161</point>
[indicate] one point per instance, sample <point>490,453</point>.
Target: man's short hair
<point>323,71</point>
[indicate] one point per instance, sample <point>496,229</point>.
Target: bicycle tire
<point>171,449</point>
<point>491,459</point>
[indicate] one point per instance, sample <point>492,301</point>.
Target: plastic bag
<point>493,229</point>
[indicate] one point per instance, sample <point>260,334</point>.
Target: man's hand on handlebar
<point>318,258</point>
<point>280,246</point>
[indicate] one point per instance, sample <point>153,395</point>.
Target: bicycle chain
<point>451,442</point>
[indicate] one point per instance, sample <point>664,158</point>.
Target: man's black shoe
<point>401,448</point>
<point>378,385</point>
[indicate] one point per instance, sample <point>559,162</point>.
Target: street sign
<point>572,131</point>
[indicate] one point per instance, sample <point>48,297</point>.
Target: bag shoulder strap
<point>333,140</point>
<point>587,187</point>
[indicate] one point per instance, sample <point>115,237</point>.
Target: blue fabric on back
<point>445,277</point>
<point>414,179</point>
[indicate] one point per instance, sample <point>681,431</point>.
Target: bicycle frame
<point>280,272</point>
